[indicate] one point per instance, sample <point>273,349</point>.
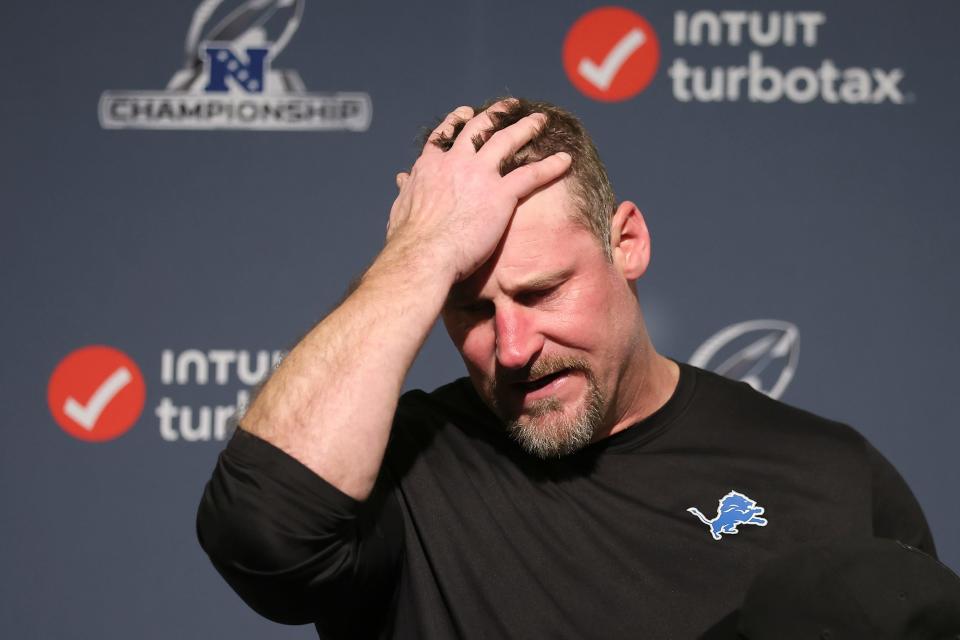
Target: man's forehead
<point>541,246</point>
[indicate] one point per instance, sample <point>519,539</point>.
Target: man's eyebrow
<point>541,281</point>
<point>458,296</point>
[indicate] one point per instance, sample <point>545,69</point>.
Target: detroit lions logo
<point>733,510</point>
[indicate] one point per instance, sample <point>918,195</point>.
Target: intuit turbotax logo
<point>699,36</point>
<point>229,80</point>
<point>97,393</point>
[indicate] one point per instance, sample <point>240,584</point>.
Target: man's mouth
<point>536,384</point>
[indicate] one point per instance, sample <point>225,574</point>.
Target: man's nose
<point>518,339</point>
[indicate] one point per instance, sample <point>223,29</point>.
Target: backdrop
<point>188,186</point>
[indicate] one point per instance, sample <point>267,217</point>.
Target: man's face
<point>545,327</point>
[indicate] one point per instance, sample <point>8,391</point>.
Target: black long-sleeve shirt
<point>465,535</point>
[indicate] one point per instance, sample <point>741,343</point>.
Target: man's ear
<point>630,241</point>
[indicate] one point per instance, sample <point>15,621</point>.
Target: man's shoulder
<point>442,428</point>
<point>452,407</point>
<point>455,397</point>
<point>741,407</point>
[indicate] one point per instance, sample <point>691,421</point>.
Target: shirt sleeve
<point>293,546</point>
<point>896,513</point>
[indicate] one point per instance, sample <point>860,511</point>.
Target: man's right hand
<point>456,203</point>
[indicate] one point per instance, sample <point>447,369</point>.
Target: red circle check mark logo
<point>611,54</point>
<point>96,393</point>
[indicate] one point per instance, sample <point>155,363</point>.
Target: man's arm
<point>331,402</point>
<point>291,517</point>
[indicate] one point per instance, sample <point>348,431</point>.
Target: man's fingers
<point>402,178</point>
<point>506,142</point>
<point>446,127</point>
<point>478,126</point>
<point>525,180</point>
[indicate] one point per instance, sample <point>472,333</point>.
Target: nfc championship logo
<point>229,80</point>
<point>762,353</point>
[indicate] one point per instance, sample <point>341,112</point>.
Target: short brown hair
<point>589,185</point>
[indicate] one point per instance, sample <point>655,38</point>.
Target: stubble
<point>544,430</point>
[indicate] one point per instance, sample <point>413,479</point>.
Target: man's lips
<point>542,386</point>
<point>539,383</point>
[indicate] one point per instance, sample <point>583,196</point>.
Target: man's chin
<point>555,415</point>
<point>546,430</point>
<point>549,441</point>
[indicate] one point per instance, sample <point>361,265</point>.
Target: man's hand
<point>456,204</point>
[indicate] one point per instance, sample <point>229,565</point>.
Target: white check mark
<point>86,415</point>
<point>602,75</point>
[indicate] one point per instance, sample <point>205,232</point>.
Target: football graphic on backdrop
<point>254,24</point>
<point>762,353</point>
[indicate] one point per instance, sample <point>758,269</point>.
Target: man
<point>568,488</point>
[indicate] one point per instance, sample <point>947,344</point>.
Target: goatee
<point>543,430</point>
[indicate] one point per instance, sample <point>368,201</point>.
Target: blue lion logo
<point>733,510</point>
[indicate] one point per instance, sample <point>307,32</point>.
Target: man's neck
<point>646,386</point>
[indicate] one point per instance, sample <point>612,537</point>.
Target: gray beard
<point>540,436</point>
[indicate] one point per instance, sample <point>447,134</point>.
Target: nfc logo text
<point>222,63</point>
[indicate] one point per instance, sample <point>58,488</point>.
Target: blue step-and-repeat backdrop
<point>187,186</point>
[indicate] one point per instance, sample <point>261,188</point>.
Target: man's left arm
<point>896,513</point>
